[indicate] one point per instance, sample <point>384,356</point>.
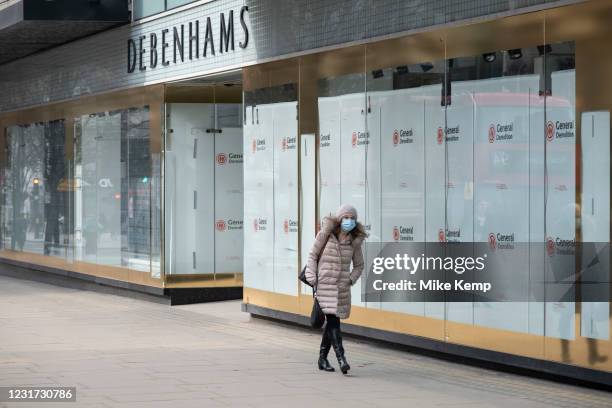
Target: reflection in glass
<point>36,213</point>
<point>113,202</point>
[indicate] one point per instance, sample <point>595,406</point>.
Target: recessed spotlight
<point>377,73</point>
<point>489,57</point>
<point>402,69</point>
<point>544,49</point>
<point>427,66</point>
<point>515,53</point>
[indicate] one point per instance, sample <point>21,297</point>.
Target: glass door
<point>203,184</point>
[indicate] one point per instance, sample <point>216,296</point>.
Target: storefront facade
<point>201,146</point>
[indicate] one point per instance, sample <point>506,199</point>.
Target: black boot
<point>323,352</point>
<point>336,338</point>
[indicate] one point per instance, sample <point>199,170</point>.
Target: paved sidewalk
<point>123,352</point>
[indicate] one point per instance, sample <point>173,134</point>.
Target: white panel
<point>329,155</point>
<point>258,198</point>
<point>560,191</point>
<point>308,198</point>
<point>460,146</point>
<point>354,140</point>
<point>434,164</point>
<point>434,178</point>
<point>108,181</point>
<point>250,267</point>
<point>502,190</point>
<point>371,217</point>
<point>595,208</point>
<point>402,115</point>
<point>459,134</point>
<point>87,194</point>
<point>189,181</point>
<point>285,198</point>
<point>595,216</point>
<point>229,201</point>
<point>205,212</point>
<point>536,235</point>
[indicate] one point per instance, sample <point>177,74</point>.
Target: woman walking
<point>337,244</point>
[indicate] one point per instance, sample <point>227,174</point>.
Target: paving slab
<point>123,352</point>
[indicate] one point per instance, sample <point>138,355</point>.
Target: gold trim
<point>229,281</point>
<point>102,271</point>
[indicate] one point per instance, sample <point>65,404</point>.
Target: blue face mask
<point>348,224</point>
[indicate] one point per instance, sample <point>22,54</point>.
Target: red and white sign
<point>221,158</point>
<point>220,225</point>
<point>491,133</point>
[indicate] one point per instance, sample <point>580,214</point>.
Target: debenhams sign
<point>186,41</point>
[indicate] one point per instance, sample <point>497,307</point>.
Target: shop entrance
<point>203,176</point>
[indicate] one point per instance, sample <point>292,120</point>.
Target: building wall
<point>98,63</point>
<point>431,141</point>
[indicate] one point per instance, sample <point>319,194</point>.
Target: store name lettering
<point>186,41</point>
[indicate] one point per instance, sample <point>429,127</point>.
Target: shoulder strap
<point>314,289</point>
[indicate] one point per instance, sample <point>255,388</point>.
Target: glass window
<point>36,213</point>
<point>113,198</point>
<point>144,8</point>
<point>495,135</point>
<point>175,3</point>
<point>271,177</point>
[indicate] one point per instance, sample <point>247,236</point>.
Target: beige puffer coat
<point>333,264</point>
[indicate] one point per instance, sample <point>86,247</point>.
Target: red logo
<point>440,135</point>
<point>220,225</point>
<point>396,234</point>
<point>550,246</point>
<point>550,131</point>
<point>221,158</point>
<point>255,224</point>
<point>354,139</point>
<point>284,144</point>
<point>492,241</point>
<point>395,137</point>
<point>286,226</point>
<point>254,145</point>
<point>441,235</point>
<point>491,134</point>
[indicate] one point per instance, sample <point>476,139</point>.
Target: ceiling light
<point>489,57</point>
<point>515,53</point>
<point>427,66</point>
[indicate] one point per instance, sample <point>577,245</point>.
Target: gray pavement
<point>124,352</point>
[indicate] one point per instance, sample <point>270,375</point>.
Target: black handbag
<point>317,317</point>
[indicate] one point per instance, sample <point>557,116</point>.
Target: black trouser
<point>333,324</point>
